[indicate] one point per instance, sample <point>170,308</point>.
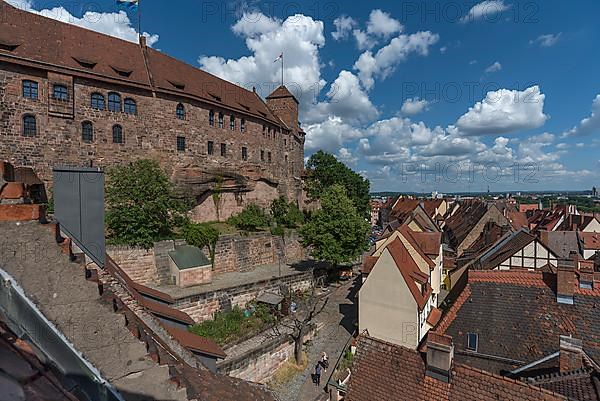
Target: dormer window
<point>472,341</point>
<point>85,63</point>
<point>9,46</point>
<point>121,71</point>
<point>60,92</point>
<point>215,97</point>
<point>180,111</point>
<point>178,85</point>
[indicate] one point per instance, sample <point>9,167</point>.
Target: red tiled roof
<point>162,310</point>
<point>385,371</point>
<point>50,44</point>
<point>429,242</point>
<point>196,342</point>
<point>408,234</point>
<point>526,207</point>
<point>409,270</point>
<point>504,249</point>
<point>518,220</point>
<point>591,240</point>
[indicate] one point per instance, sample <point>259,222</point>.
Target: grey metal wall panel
<point>79,208</point>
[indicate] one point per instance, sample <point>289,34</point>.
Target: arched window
<point>30,89</point>
<point>180,111</point>
<point>60,92</point>
<point>242,125</point>
<point>232,122</point>
<point>87,131</point>
<point>114,102</point>
<point>117,134</point>
<point>220,120</point>
<point>98,101</point>
<point>129,106</point>
<point>29,125</point>
<point>211,118</point>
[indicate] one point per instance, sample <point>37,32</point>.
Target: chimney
<point>571,354</point>
<point>440,353</point>
<point>565,281</point>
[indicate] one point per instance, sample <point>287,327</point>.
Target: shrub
<point>141,207</point>
<point>202,235</point>
<point>250,219</point>
<point>287,214</point>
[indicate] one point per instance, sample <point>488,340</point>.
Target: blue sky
<point>417,95</point>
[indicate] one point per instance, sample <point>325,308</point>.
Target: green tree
<point>202,235</point>
<point>336,233</point>
<point>324,170</point>
<point>141,207</point>
<point>250,219</point>
<point>286,213</point>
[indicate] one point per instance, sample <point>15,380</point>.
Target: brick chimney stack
<point>565,281</point>
<point>440,355</point>
<point>571,354</point>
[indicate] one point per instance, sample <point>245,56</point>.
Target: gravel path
<point>338,319</point>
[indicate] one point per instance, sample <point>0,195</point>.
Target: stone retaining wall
<point>138,263</point>
<point>203,306</point>
<point>237,252</point>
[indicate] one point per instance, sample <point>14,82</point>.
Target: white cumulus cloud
<point>299,37</point>
<point>547,40</point>
<point>382,24</point>
<point>494,67</point>
<point>485,10</point>
<point>589,124</point>
<point>384,62</point>
<point>414,106</point>
<point>343,26</point>
<point>115,24</point>
<point>504,111</point>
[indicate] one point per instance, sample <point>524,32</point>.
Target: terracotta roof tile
<point>409,270</point>
<point>196,342</point>
<point>384,371</point>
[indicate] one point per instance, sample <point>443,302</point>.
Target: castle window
<point>181,143</point>
<point>262,155</point>
<point>220,120</point>
<point>117,132</point>
<point>284,142</point>
<point>87,131</point>
<point>264,129</point>
<point>29,125</point>
<point>114,102</point>
<point>211,118</point>
<point>60,92</point>
<point>232,122</point>
<point>286,158</point>
<point>242,125</point>
<point>30,89</point>
<point>180,111</point>
<point>269,157</point>
<point>98,101</point>
<point>129,106</point>
<point>210,148</point>
<point>223,150</point>
<point>244,153</point>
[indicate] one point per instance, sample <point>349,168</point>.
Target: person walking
<point>324,361</point>
<point>318,373</point>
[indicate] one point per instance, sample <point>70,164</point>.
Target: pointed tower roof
<point>281,92</point>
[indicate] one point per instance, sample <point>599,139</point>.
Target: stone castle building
<point>71,96</point>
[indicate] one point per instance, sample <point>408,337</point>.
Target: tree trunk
<point>298,350</point>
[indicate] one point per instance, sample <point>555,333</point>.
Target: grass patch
<point>228,327</point>
<point>223,227</point>
<point>287,371</point>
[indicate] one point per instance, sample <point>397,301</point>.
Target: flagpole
<point>139,7</point>
<point>281,68</point>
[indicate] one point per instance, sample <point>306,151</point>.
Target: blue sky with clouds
<point>417,95</point>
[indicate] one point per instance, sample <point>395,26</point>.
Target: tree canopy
<point>141,207</point>
<point>286,213</point>
<point>336,233</point>
<point>250,219</point>
<point>324,170</point>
